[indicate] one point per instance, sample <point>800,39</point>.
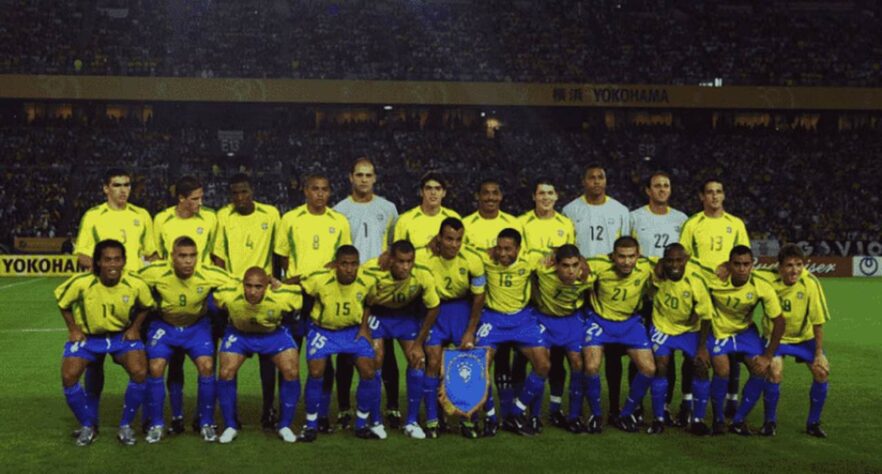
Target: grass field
<point>35,422</point>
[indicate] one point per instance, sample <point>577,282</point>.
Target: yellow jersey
<point>336,305</point>
<point>201,227</point>
<point>455,278</point>
<point>680,306</point>
<point>803,305</point>
<point>99,309</point>
<point>418,227</point>
<point>481,233</point>
<point>710,239</point>
<point>554,297</point>
<point>616,298</point>
<point>310,241</point>
<point>734,305</point>
<point>509,288</point>
<point>263,317</point>
<point>546,234</point>
<point>390,293</point>
<point>183,302</point>
<point>132,226</point>
<point>246,241</point>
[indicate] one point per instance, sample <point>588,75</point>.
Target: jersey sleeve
<point>145,297</point>
<point>686,238</point>
<point>771,304</point>
<point>68,292</point>
<point>741,237</point>
<point>157,234</point>
<point>477,275</point>
<point>818,312</point>
<point>399,232</point>
<point>220,242</point>
<point>625,220</point>
<point>571,231</point>
<point>430,293</point>
<point>282,247</point>
<point>310,284</point>
<point>346,237</point>
<point>703,306</point>
<point>86,237</point>
<point>292,297</point>
<point>148,239</point>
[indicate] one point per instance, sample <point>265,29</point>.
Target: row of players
<point>543,225</point>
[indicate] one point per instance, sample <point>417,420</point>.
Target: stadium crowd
<point>787,185</point>
<point>741,43</point>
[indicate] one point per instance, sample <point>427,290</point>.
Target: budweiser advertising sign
<point>819,266</point>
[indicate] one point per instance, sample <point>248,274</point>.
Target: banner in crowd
<point>321,91</point>
<point>867,267</point>
<point>842,248</point>
<point>466,376</point>
<point>38,265</point>
<point>38,244</point>
<point>820,266</point>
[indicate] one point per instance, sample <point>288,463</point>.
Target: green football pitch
<point>35,424</point>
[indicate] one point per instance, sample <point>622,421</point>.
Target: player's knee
<point>317,372</point>
<point>69,378</point>
<point>576,365</point>
<point>819,375</point>
<point>205,366</point>
<point>226,373</point>
<point>646,368</point>
<point>157,367</point>
<point>289,372</point>
<point>661,367</point>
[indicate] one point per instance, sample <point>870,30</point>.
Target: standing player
<point>680,307</point>
<point>656,225</point>
<point>182,287</point>
<point>734,300</point>
<point>187,218</point>
<point>371,220</point>
<point>544,230</point>
<point>308,238</point>
<point>805,313</point>
<point>103,311</point>
<point>395,303</point>
<point>559,301</point>
<point>621,280</point>
<point>507,319</point>
<point>256,327</point>
<point>246,232</point>
<point>339,325</point>
<point>709,236</point>
<point>483,225</point>
<point>126,223</point>
<point>459,272</point>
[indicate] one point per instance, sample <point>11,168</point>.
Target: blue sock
<point>377,408</point>
<point>134,398</point>
<point>700,392</point>
<point>533,388</point>
<point>226,397</point>
<point>155,401</point>
<point>749,396</point>
<point>94,385</point>
<point>206,396</point>
<point>718,397</point>
<point>490,407</point>
<point>659,391</point>
<point>817,396</point>
<point>430,395</point>
<point>78,402</point>
<point>771,394</point>
<point>414,394</point>
<point>536,404</point>
<point>638,389</point>
<point>592,391</point>
<point>289,394</point>
<point>324,409</point>
<point>313,399</point>
<point>365,400</point>
<point>176,398</point>
<point>577,393</point>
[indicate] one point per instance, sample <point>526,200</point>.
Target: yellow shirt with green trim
<point>132,226</point>
<point>246,241</point>
<point>263,317</point>
<point>419,228</point>
<point>803,305</point>
<point>183,301</point>
<point>455,278</point>
<point>680,306</point>
<point>710,239</point>
<point>397,294</point>
<point>546,234</point>
<point>616,298</point>
<point>556,298</point>
<point>201,227</point>
<point>99,309</point>
<point>509,287</point>
<point>337,306</point>
<point>481,233</point>
<point>734,305</point>
<point>310,241</point>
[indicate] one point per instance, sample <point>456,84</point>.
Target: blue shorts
<point>453,320</point>
<point>664,345</point>
<point>747,342</point>
<point>562,331</point>
<point>324,343</point>
<point>98,345</point>
<point>403,325</point>
<point>163,339</point>
<point>520,328</point>
<point>630,333</point>
<point>263,343</point>
<point>803,351</point>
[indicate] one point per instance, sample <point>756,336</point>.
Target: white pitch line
<point>34,330</point>
<point>19,283</point>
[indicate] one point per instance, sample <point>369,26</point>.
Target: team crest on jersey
<point>637,283</point>
<point>379,217</point>
<point>611,221</point>
<point>137,222</point>
<point>677,229</point>
<point>200,230</point>
<point>462,271</point>
<point>560,232</point>
<point>521,272</point>
<point>270,313</point>
<point>199,290</point>
<point>359,296</point>
<point>686,294</point>
<point>126,299</point>
<point>800,295</point>
<point>749,296</point>
<point>728,230</point>
<point>264,226</point>
<point>331,230</point>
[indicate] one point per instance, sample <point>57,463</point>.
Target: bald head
<point>256,281</point>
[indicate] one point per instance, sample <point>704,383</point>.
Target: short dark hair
<point>433,176</point>
<point>648,183</point>
<point>542,180</point>
<point>566,251</point>
<point>401,246</point>
<point>790,251</point>
<point>509,233</point>
<point>451,222</point>
<point>101,246</point>
<point>184,241</point>
<point>489,181</point>
<point>240,178</point>
<point>593,166</point>
<point>674,246</point>
<point>626,241</point>
<point>359,160</point>
<point>345,250</point>
<point>113,173</point>
<point>708,181</point>
<point>314,177</point>
<point>740,250</point>
<point>186,185</point>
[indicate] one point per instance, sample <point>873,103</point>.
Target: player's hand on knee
<point>761,364</point>
<point>468,340</point>
<point>132,334</point>
<point>821,365</point>
<point>702,359</point>
<point>416,356</point>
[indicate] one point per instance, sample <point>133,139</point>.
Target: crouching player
<point>559,301</point>
<point>97,308</point>
<point>339,325</point>
<point>256,327</point>
<point>182,289</point>
<point>805,313</point>
<point>681,307</point>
